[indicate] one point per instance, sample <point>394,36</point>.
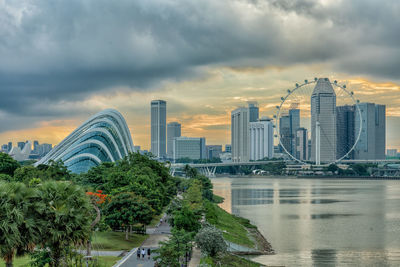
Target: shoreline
<point>309,177</point>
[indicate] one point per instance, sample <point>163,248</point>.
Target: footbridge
<point>208,169</point>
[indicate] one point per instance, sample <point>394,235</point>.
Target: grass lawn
<point>116,241</point>
<point>229,260</point>
<point>233,227</point>
<point>104,261</point>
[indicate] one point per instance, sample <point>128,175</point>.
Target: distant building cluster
<point>252,138</point>
<point>167,142</point>
<point>334,129</point>
<point>24,150</point>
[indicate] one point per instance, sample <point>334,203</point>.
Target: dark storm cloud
<point>56,53</point>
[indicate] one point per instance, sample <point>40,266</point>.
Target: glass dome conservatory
<point>105,137</point>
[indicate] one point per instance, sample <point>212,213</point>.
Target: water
<point>320,222</point>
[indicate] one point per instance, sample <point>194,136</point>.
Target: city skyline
<point>55,75</point>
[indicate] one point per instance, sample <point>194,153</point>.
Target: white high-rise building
<point>158,128</point>
<point>261,139</point>
<point>240,135</point>
<point>323,122</point>
<point>173,130</point>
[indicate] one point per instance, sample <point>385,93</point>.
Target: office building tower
<point>9,146</point>
<point>4,148</point>
<point>240,135</point>
<point>213,151</point>
<point>35,146</point>
<point>294,115</point>
<point>288,125</point>
<point>345,119</point>
<point>372,142</point>
<point>323,122</point>
<point>253,111</point>
<point>43,149</point>
<point>302,144</point>
<point>261,139</point>
<point>21,145</point>
<point>228,149</point>
<point>173,130</point>
<point>189,147</point>
<point>285,134</point>
<point>158,128</point>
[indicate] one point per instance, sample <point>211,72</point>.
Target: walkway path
<point>161,233</point>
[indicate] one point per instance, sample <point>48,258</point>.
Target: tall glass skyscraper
<point>372,142</point>
<point>253,111</point>
<point>345,118</point>
<point>323,121</point>
<point>158,128</point>
<point>173,130</point>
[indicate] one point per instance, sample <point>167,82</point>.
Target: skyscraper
<point>253,111</point>
<point>173,130</point>
<point>21,145</point>
<point>35,146</point>
<point>372,142</point>
<point>261,139</point>
<point>345,118</point>
<point>323,122</point>
<point>240,134</point>
<point>158,128</point>
<point>302,144</point>
<point>9,146</point>
<point>285,134</point>
<point>288,125</point>
<point>294,115</point>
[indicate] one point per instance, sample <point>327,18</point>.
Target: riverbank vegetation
<point>48,213</point>
<point>196,219</point>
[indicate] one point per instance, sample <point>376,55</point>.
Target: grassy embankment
<point>116,241</point>
<point>234,228</point>
<point>104,261</point>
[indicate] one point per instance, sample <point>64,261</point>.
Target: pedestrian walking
<point>160,221</point>
<point>148,253</point>
<point>143,253</point>
<point>138,253</point>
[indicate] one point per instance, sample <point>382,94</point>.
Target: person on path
<point>138,253</point>
<point>161,221</point>
<point>148,253</point>
<point>143,253</point>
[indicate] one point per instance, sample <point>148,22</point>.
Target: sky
<point>63,61</point>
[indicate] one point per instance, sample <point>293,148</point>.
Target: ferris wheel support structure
<point>318,130</point>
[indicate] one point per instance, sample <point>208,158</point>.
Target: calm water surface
<point>320,222</point>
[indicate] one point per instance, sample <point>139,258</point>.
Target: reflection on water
<point>320,222</point>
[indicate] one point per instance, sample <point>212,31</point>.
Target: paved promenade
<point>160,233</point>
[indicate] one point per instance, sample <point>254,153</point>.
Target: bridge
<point>209,169</point>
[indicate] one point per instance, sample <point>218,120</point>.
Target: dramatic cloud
<point>58,58</point>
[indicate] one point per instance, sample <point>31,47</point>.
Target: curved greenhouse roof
<point>105,137</point>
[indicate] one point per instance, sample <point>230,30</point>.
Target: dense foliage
<point>210,240</point>
<point>50,209</point>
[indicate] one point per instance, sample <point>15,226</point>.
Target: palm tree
<point>19,228</point>
<point>66,215</point>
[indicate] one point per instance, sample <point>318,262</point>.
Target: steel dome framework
<point>105,137</point>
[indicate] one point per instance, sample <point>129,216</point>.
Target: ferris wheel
<point>318,121</point>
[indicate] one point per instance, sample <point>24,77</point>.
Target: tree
<point>173,251</point>
<point>65,213</point>
<point>19,227</point>
<point>186,219</point>
<point>7,164</point>
<point>210,240</point>
<point>125,209</point>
